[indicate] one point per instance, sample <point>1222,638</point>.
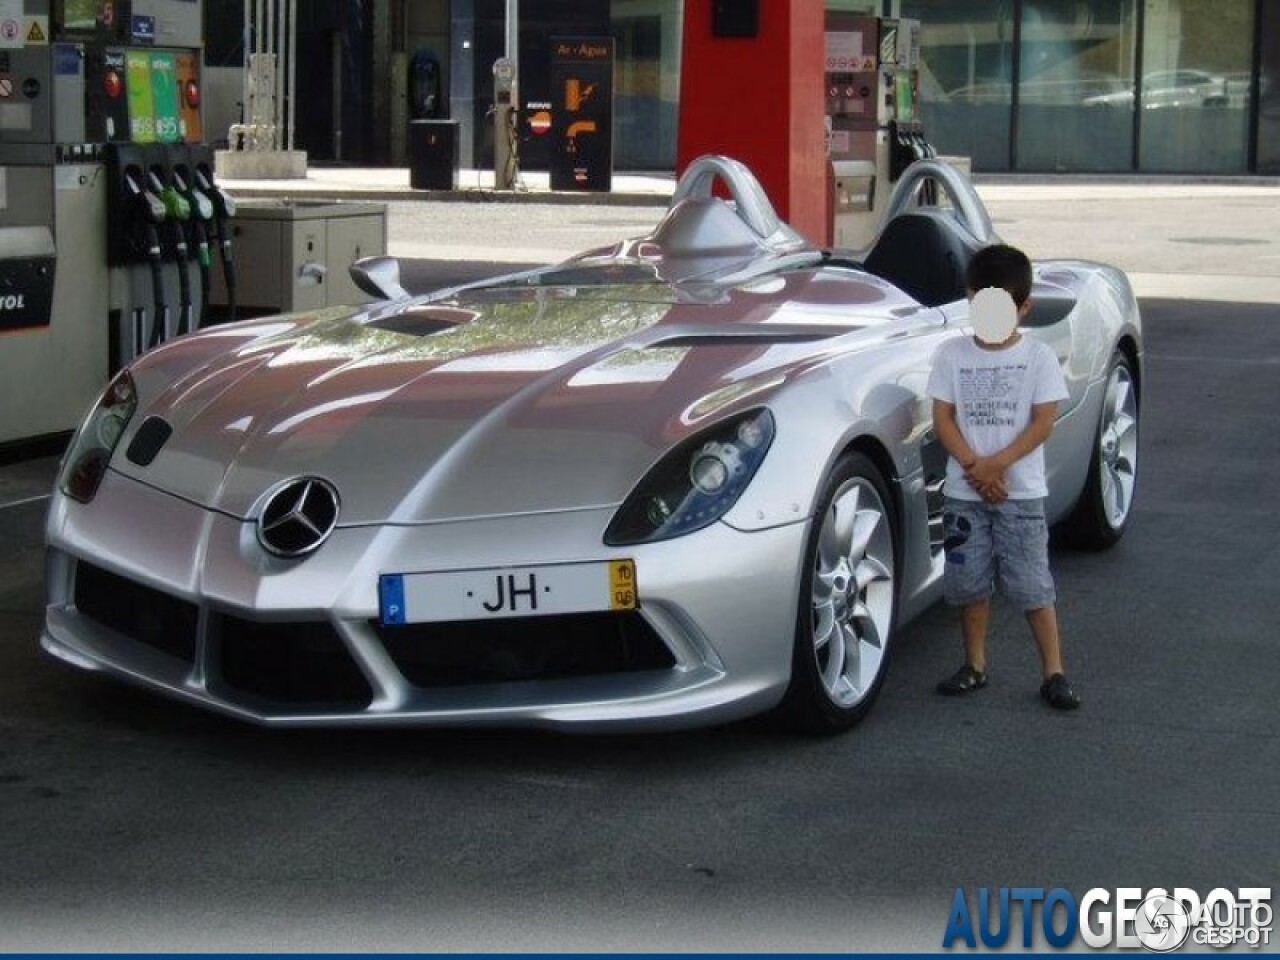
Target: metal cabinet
<point>295,255</point>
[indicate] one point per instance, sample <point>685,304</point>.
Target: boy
<point>995,397</point>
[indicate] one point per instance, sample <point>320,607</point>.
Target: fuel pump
<point>94,94</point>
<point>43,364</point>
<point>873,126</point>
<point>900,73</point>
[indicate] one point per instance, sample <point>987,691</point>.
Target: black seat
<point>925,254</point>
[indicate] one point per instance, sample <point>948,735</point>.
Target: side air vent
<point>1048,309</point>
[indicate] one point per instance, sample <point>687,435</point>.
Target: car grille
<point>290,662</point>
<point>286,662</point>
<point>148,616</point>
<point>524,648</point>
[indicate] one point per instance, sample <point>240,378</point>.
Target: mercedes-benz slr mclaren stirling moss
<point>678,481</point>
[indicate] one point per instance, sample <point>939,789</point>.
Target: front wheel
<point>1103,510</point>
<point>847,604</point>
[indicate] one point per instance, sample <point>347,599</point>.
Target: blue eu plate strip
<point>391,596</point>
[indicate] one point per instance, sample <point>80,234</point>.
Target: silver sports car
<point>677,481</point>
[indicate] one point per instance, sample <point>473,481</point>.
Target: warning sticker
<point>6,86</point>
<point>38,31</point>
<point>11,32</point>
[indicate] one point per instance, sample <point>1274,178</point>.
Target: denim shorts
<point>997,543</point>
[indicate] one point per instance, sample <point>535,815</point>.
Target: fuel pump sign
<point>164,98</point>
<point>152,81</point>
<point>144,96</point>
<point>142,113</point>
<point>106,105</point>
<point>188,75</point>
<point>582,122</point>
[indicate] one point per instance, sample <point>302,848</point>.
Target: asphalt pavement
<point>131,823</point>
<point>1177,237</point>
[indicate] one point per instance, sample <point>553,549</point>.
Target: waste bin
<point>433,154</point>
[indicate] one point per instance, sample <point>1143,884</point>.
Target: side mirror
<point>379,277</point>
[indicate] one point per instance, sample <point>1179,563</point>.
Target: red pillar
<point>760,100</point>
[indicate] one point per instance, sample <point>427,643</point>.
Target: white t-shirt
<point>993,391</point>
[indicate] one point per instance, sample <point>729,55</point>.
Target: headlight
<point>695,484</point>
<point>712,467</point>
<point>90,452</point>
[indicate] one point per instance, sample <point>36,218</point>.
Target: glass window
<point>966,57</point>
<point>1268,159</point>
<point>646,82</point>
<point>223,42</point>
<point>1075,86</point>
<point>1196,57</point>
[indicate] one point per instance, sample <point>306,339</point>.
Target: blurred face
<point>994,315</point>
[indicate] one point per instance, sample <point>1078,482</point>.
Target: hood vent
<point>748,337</point>
<point>147,442</point>
<point>423,322</point>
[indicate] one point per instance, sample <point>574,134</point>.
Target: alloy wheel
<point>1118,446</point>
<point>853,592</point>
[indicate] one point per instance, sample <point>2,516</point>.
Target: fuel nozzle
<point>177,213</point>
<point>176,207</point>
<point>147,211</point>
<point>200,211</point>
<point>201,219</point>
<point>224,208</point>
<point>146,207</point>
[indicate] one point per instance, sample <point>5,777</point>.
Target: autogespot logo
<point>1162,923</point>
<point>1126,918</point>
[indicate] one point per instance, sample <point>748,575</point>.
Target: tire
<point>1102,513</point>
<point>848,602</point>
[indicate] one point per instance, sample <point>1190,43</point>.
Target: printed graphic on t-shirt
<point>988,396</point>
<point>994,392</point>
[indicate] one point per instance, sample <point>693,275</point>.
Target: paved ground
<point>1181,238</point>
<point>130,823</point>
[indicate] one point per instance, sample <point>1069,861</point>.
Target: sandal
<point>964,680</point>
<point>1057,692</point>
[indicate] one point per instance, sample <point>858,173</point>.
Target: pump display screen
<point>86,16</point>
<point>152,84</point>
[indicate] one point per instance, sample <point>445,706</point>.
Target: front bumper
<point>719,604</point>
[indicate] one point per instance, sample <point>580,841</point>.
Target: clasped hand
<point>986,476</point>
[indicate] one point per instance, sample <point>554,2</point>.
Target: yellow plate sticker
<point>622,584</point>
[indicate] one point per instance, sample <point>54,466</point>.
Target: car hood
<point>497,402</point>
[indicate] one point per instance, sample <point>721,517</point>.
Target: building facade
<point>1105,86</point>
<point>1070,86</point>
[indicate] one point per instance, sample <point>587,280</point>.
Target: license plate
<point>499,592</point>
